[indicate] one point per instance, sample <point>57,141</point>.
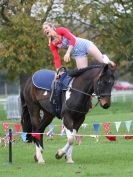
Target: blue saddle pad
<point>65,80</point>
<point>43,79</point>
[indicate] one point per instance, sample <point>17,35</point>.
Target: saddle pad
<point>65,80</point>
<point>43,79</point>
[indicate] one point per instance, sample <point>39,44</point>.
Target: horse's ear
<point>109,66</point>
<point>112,69</point>
<point>104,70</point>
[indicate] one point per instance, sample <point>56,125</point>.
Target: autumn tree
<point>23,48</point>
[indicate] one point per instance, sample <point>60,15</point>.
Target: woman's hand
<point>112,63</point>
<point>67,57</point>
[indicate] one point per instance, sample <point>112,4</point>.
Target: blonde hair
<point>49,24</point>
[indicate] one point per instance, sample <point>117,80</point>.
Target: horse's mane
<point>77,72</point>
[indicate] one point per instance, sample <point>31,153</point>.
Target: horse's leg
<point>76,125</point>
<point>38,140</point>
<point>68,156</point>
<point>39,151</point>
<point>70,139</point>
<point>68,148</point>
<point>47,119</point>
<point>34,111</point>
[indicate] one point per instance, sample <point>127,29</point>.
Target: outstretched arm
<point>67,34</point>
<point>57,59</point>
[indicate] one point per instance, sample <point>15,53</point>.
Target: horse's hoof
<point>59,154</point>
<point>42,162</point>
<point>69,160</point>
<point>39,162</point>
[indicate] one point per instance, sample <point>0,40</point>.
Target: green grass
<point>92,159</point>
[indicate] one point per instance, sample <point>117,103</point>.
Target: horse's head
<point>103,86</point>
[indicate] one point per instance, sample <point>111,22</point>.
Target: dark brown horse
<point>96,79</point>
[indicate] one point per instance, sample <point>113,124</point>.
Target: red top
<point>63,32</point>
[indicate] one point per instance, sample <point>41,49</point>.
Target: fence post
<point>10,146</point>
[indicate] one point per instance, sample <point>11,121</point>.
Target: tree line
<point>24,49</point>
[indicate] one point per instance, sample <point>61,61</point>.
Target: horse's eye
<point>105,82</point>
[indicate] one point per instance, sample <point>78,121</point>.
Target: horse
<point>95,79</point>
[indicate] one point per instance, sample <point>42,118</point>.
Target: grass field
<point>92,159</point>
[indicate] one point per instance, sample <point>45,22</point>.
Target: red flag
<point>17,127</point>
<point>5,126</point>
<point>106,126</point>
<point>36,136</point>
<point>111,137</point>
<point>127,137</point>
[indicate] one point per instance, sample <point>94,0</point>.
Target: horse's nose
<point>105,103</point>
<point>106,106</point>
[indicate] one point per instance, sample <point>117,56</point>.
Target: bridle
<point>87,94</point>
<point>97,92</point>
<point>97,87</point>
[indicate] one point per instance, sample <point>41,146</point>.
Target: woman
<point>77,48</point>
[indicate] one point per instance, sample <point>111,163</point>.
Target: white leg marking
<point>68,148</point>
<point>67,145</point>
<point>69,155</point>
<point>39,154</point>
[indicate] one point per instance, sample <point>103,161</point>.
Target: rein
<point>70,88</point>
<point>82,112</point>
<point>87,94</point>
<point>81,71</point>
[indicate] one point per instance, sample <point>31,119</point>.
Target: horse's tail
<point>25,118</point>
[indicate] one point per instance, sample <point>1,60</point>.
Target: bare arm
<point>67,55</point>
<point>66,33</point>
